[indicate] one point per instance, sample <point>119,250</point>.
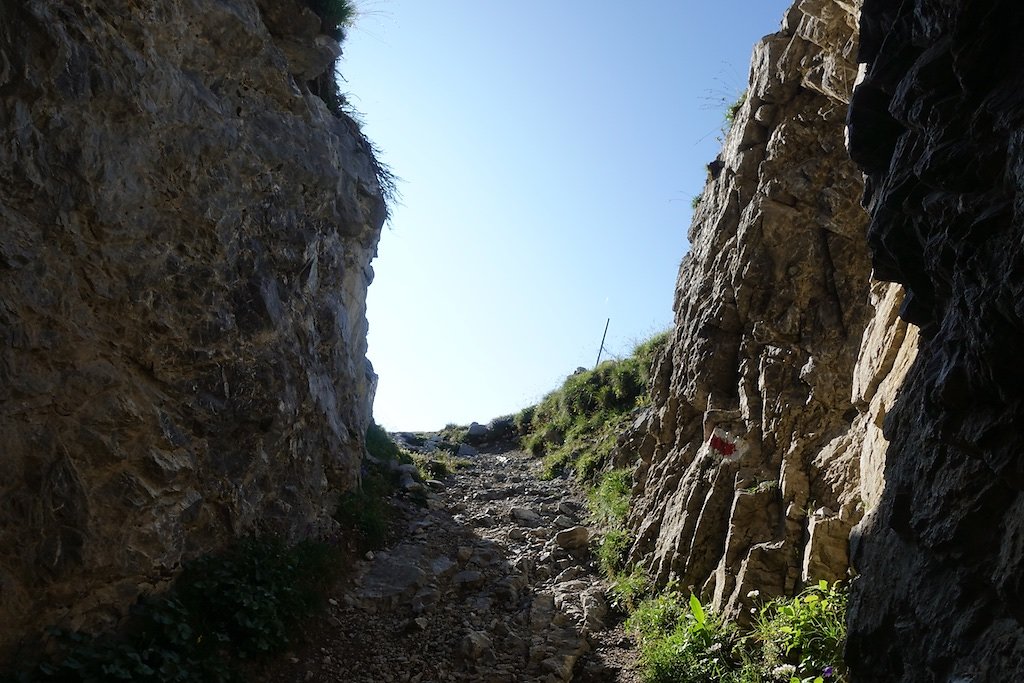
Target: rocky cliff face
<point>185,239</point>
<point>767,405</point>
<point>937,126</point>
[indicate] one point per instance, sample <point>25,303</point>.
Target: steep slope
<point>185,239</point>
<point>936,125</point>
<point>765,403</point>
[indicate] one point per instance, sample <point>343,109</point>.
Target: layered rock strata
<point>937,126</point>
<point>185,239</point>
<point>765,404</point>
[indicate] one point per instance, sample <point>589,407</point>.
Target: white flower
<point>753,594</point>
<point>784,670</point>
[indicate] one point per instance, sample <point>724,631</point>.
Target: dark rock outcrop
<point>937,126</point>
<point>185,239</point>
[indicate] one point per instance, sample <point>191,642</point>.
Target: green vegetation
<point>380,445</point>
<point>807,631</point>
<point>366,512</point>
<point>629,589</point>
<point>793,640</point>
<point>453,433</point>
<point>438,464</point>
<point>609,500</point>
<point>576,426</point>
<point>733,109</point>
<point>223,608</point>
<point>609,505</point>
<point>682,643</point>
<point>336,16</point>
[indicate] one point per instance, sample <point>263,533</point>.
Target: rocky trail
<point>490,577</point>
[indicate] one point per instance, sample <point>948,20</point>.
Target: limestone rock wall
<point>785,358</point>
<point>938,126</point>
<point>185,239</point>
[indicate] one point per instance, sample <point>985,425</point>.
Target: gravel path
<point>492,580</point>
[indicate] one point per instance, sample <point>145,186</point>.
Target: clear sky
<point>548,151</point>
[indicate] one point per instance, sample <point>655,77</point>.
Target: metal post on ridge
<point>601,350</point>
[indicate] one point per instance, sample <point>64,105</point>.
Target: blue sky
<point>548,152</point>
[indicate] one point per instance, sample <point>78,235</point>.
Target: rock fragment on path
<point>575,537</point>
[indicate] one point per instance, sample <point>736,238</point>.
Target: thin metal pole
<point>601,350</point>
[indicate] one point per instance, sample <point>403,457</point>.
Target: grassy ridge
<point>576,426</point>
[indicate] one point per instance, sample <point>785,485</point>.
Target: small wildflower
<point>827,672</point>
<point>753,594</point>
<point>784,670</point>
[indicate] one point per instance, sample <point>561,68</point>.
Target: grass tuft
<point>336,16</point>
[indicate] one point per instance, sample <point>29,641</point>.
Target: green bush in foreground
<point>806,632</point>
<point>794,640</point>
<point>682,643</point>
<point>223,608</point>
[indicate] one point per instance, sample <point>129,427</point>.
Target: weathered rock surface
<point>936,124</point>
<point>748,475</point>
<point>185,239</point>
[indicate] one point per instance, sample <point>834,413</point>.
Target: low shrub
<point>439,463</point>
<point>224,607</point>
<point>612,551</point>
<point>793,640</point>
<point>366,511</point>
<point>629,589</point>
<point>609,500</point>
<point>680,642</point>
<point>380,445</point>
<point>806,632</point>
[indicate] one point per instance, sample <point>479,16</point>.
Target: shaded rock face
<point>937,126</point>
<point>185,239</point>
<point>750,457</point>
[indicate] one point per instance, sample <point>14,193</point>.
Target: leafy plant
<point>807,632</point>
<point>629,589</point>
<point>609,500</point>
<point>611,553</point>
<point>438,464</point>
<point>454,433</point>
<point>795,640</point>
<point>680,642</point>
<point>733,109</point>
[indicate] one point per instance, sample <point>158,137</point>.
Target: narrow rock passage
<point>491,580</point>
